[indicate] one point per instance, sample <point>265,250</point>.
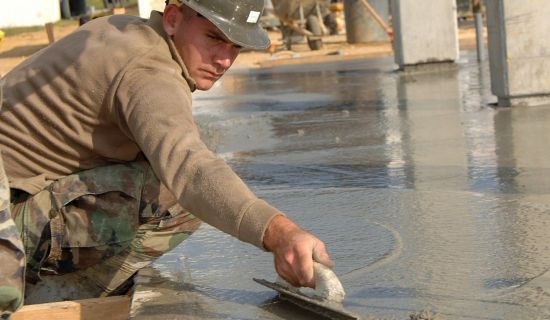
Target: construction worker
<point>105,164</point>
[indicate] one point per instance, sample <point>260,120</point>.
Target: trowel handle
<point>327,283</point>
<point>323,274</point>
<point>319,268</point>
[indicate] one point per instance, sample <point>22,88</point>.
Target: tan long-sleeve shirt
<point>110,90</point>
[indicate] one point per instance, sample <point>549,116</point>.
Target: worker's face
<point>205,50</point>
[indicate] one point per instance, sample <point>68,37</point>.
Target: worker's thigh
<point>117,216</point>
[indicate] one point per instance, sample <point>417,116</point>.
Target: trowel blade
<point>327,309</point>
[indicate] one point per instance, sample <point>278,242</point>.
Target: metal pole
<point>378,19</point>
<point>302,22</point>
<point>476,8</point>
<point>363,23</point>
<point>356,21</point>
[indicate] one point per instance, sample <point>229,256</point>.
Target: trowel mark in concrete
<point>389,257</point>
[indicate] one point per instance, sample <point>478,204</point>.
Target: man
<point>106,167</point>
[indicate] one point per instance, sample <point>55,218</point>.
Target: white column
<point>425,31</point>
<point>145,7</point>
<point>28,13</point>
<point>519,55</point>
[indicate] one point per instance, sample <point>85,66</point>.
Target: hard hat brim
<point>251,36</point>
<point>254,37</point>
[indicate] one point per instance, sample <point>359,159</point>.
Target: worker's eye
<point>215,37</point>
<point>221,40</point>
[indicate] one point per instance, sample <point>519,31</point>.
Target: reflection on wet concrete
<point>427,197</point>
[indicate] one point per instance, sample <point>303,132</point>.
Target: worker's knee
<point>12,254</point>
<point>164,234</point>
<point>96,214</point>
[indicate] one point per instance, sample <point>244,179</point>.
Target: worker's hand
<point>294,251</point>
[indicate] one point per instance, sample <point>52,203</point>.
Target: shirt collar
<point>155,22</point>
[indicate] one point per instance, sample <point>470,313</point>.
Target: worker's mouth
<point>213,75</point>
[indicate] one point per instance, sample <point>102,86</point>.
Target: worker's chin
<point>205,84</point>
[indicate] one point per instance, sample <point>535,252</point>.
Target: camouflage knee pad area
<point>12,257</point>
<point>105,223</point>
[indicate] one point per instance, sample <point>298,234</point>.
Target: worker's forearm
<point>277,228</point>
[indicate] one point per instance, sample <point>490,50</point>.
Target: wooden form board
<point>112,308</point>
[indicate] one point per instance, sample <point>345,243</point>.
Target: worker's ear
<point>171,19</point>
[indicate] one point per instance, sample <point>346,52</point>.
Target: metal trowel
<point>325,300</point>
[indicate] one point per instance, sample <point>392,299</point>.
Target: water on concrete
<point>427,197</point>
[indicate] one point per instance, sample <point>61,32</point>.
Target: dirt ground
<point>14,49</point>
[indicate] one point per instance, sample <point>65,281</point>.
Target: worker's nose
<point>224,58</point>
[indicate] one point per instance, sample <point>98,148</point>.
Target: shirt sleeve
<point>154,108</point>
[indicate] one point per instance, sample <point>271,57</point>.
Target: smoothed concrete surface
<point>427,196</point>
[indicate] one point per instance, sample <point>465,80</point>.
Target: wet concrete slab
<point>427,197</point>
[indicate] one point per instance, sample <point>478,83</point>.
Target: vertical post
<point>476,8</point>
<point>519,58</point>
<point>366,21</point>
<point>425,32</point>
<point>50,32</point>
<point>65,9</point>
<point>355,16</point>
<point>302,22</point>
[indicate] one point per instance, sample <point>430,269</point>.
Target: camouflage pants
<point>12,257</point>
<point>105,223</point>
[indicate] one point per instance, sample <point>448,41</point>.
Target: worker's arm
<point>294,250</point>
<point>153,107</point>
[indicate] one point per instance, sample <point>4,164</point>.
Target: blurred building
<point>145,7</point>
<point>28,13</point>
